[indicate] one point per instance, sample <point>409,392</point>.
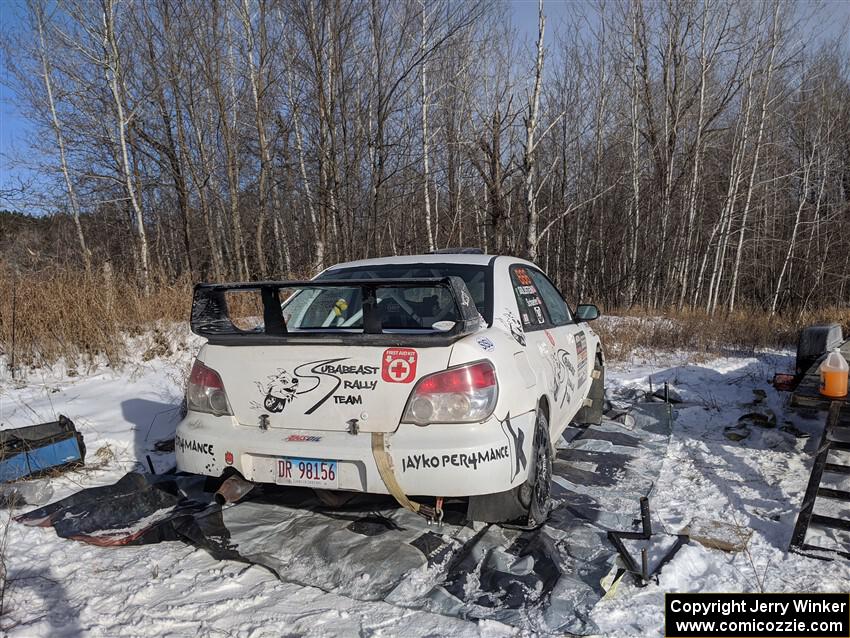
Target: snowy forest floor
<point>63,588</point>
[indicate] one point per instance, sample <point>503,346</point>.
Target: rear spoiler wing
<point>211,319</point>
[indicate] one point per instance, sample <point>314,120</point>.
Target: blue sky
<point>13,124</point>
<point>14,128</point>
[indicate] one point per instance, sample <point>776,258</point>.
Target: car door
<point>550,347</point>
<point>572,357</point>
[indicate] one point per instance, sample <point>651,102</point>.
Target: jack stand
<point>644,573</point>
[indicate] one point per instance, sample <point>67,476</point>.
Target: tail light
<point>206,391</point>
<point>465,394</point>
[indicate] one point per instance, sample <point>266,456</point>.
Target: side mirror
<point>587,312</point>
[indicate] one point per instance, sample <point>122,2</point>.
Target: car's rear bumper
<point>435,460</point>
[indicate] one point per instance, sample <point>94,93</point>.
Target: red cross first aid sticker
<point>398,365</point>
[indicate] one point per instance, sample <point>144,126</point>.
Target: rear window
<point>429,303</point>
<point>400,308</point>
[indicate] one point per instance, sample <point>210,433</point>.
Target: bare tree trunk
<point>112,71</point>
<point>265,160</point>
<point>426,174</point>
<point>695,171</point>
<point>756,153</point>
<point>37,10</point>
<point>804,191</point>
<point>635,220</point>
<point>531,237</point>
<point>318,225</point>
<point>229,132</point>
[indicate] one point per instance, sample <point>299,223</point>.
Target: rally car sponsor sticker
<point>339,379</point>
<point>303,438</point>
<point>189,445</point>
<point>469,460</point>
<point>539,313</point>
<point>398,365</point>
<point>486,344</point>
<point>581,351</point>
<point>516,445</point>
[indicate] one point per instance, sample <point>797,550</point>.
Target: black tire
<point>534,494</point>
<point>592,414</point>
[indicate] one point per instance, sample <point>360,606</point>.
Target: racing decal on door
<point>516,439</point>
<point>513,325</point>
<point>398,365</point>
<point>563,372</point>
<point>581,352</point>
<point>326,376</point>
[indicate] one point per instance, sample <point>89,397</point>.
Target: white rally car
<point>426,377</point>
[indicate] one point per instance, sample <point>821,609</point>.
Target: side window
<point>532,312</point>
<point>559,312</point>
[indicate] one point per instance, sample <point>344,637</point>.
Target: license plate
<point>307,472</point>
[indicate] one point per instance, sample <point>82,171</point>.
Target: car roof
<point>441,258</point>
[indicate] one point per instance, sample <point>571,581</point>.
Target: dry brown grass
<point>66,313</point>
<point>626,331</point>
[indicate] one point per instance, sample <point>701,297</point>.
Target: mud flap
<point>495,508</point>
<point>592,413</point>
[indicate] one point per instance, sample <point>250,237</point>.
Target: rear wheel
<point>534,494</point>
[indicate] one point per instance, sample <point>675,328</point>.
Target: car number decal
<point>522,277</point>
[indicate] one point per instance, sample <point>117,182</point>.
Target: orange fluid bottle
<point>833,376</point>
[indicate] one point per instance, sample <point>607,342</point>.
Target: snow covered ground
<point>63,588</point>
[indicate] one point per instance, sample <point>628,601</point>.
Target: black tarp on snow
<point>546,579</point>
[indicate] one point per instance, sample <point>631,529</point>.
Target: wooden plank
<point>718,534</point>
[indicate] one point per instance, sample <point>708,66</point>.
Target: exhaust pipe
<point>233,490</point>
